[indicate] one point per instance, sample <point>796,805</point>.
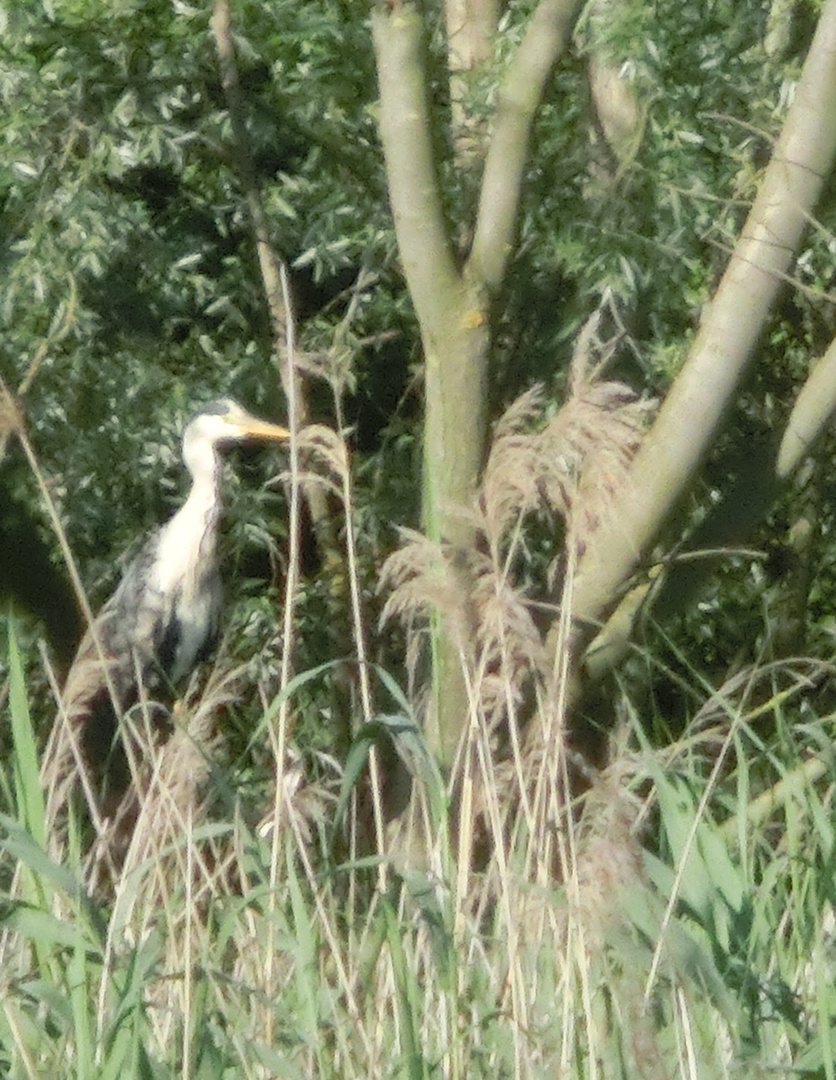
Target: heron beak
<point>254,428</point>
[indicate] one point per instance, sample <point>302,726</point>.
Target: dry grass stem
<point>514,785</point>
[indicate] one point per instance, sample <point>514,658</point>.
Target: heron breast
<point>190,631</point>
<point>185,573</point>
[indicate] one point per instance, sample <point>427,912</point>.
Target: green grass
<point>682,938</point>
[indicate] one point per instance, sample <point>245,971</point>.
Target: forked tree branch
<point>405,129</point>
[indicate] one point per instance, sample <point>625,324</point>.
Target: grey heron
<point>161,620</point>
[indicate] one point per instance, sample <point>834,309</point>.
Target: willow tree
<point>454,283</point>
<point>453,290</point>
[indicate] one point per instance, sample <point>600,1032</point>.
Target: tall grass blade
<point>407,996</point>
<point>29,795</point>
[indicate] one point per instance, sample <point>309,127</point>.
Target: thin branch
<point>273,268</point>
<point>811,413</point>
<point>62,322</point>
<point>791,785</point>
<point>270,263</point>
<point>519,98</point>
<point>280,730</point>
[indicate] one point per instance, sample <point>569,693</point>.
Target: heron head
<point>225,421</point>
<point>218,424</point>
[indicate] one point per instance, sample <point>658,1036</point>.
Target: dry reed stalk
<point>570,467</point>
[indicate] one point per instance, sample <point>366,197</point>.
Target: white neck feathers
<point>190,537</point>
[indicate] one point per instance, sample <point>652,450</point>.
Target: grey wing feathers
<point>114,659</point>
<point>119,647</point>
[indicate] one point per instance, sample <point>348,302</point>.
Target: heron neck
<point>186,547</point>
<point>204,498</point>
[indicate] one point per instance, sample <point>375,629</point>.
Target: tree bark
<point>451,315</point>
<point>452,305</point>
<point>811,413</point>
<point>546,38</point>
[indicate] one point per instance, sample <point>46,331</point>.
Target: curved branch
<point>519,97</point>
<point>410,166</point>
<point>811,413</point>
<point>671,453</point>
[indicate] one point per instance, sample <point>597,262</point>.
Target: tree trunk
<point>452,305</point>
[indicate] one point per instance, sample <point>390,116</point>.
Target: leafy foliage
<point>131,291</point>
